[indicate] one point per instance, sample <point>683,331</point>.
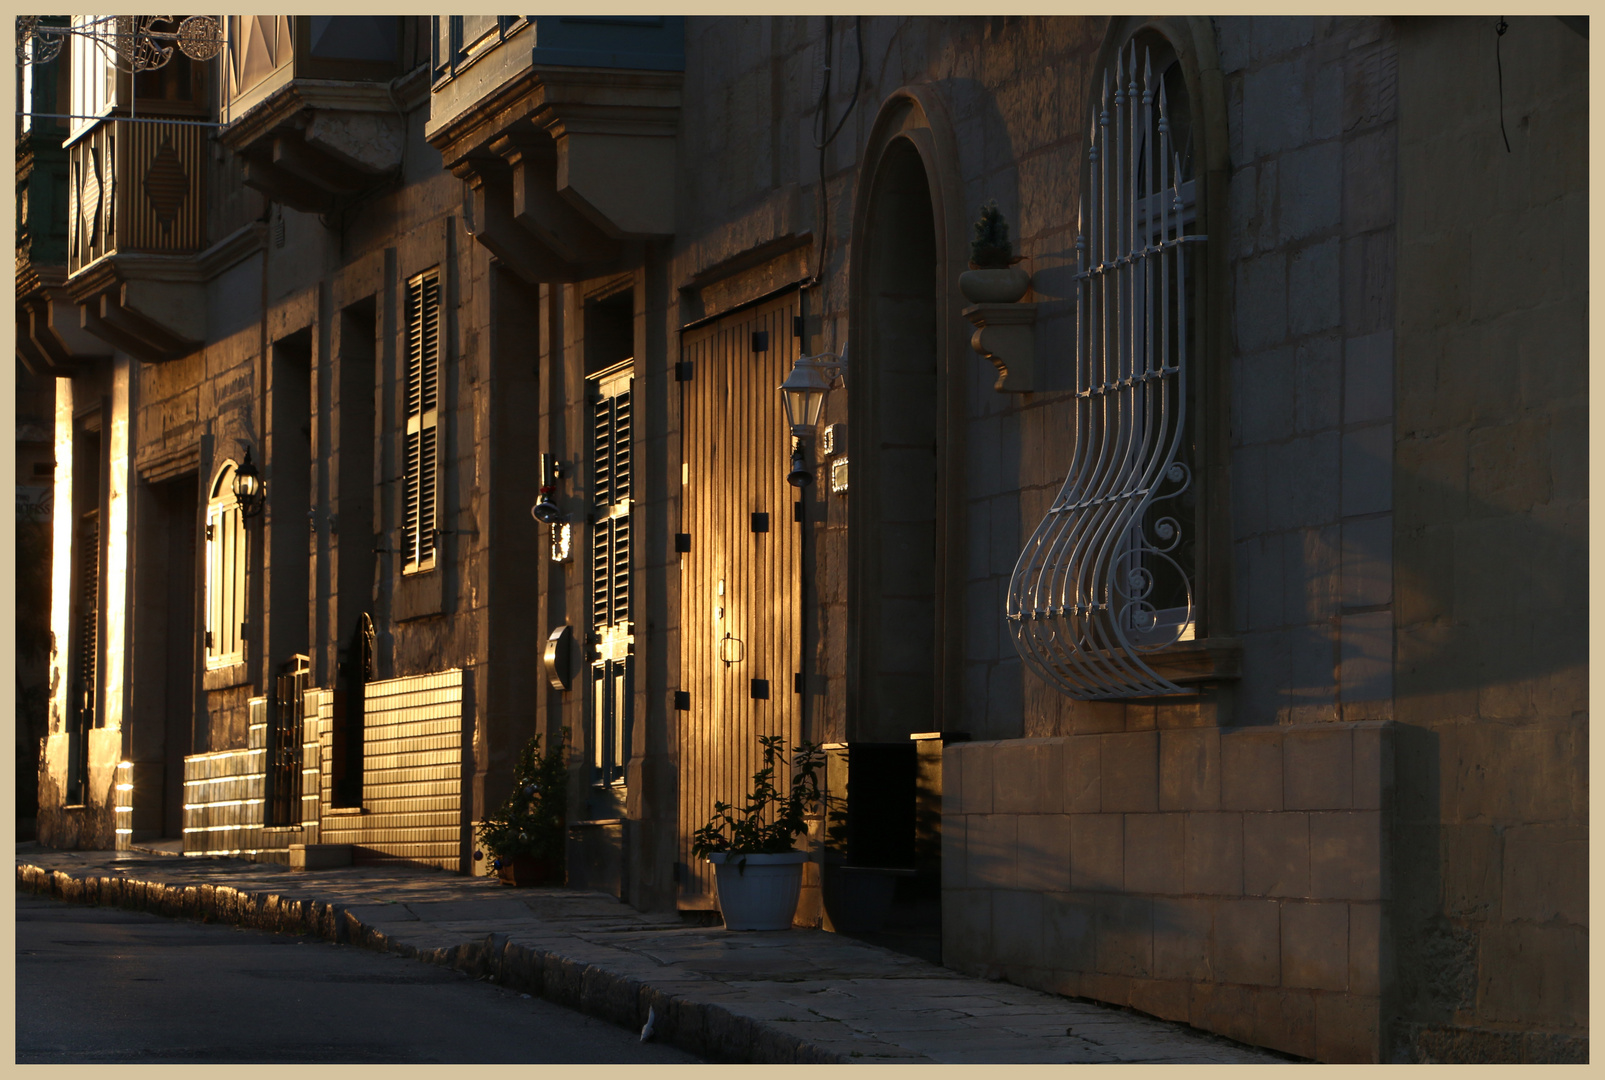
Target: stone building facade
<point>1323,789</point>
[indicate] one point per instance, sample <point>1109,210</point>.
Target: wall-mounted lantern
<point>546,510</point>
<point>803,394</point>
<point>249,487</point>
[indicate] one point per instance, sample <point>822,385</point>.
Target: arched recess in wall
<point>905,416</point>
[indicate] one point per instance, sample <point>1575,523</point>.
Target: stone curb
<point>702,1028</point>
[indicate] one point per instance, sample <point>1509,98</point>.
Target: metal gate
<point>284,743</point>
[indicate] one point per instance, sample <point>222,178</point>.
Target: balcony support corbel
<point>1005,334</point>
<point>50,340</point>
<point>282,186</point>
<point>538,207</point>
<point>499,231</point>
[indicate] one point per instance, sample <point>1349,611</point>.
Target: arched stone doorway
<point>904,634</point>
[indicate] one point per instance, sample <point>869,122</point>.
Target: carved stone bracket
<point>567,166</point>
<point>1006,335</point>
<point>50,339</point>
<point>153,307</point>
<point>316,144</point>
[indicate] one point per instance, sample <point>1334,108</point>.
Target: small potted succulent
<point>992,277</point>
<point>757,869</point>
<point>525,835</point>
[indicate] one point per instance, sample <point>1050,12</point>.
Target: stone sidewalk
<point>788,996</point>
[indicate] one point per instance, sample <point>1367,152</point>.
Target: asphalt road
<point>106,985</point>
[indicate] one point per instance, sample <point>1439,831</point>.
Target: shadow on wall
<point>1485,599</point>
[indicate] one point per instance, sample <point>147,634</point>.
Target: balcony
<point>136,215</point>
<point>565,129</point>
<point>50,340</point>
<point>311,105</point>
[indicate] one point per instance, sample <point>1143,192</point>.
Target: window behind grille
<point>421,446</point>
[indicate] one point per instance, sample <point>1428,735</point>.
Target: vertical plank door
<point>740,587</point>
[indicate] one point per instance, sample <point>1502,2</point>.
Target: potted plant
<point>992,277</point>
<point>757,870</point>
<point>525,835</point>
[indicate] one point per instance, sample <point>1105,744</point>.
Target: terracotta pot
<point>994,285</point>
<point>526,870</point>
<point>758,892</point>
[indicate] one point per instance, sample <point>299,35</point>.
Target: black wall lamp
<point>546,510</point>
<point>249,488</point>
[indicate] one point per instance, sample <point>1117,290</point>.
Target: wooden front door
<point>740,596</point>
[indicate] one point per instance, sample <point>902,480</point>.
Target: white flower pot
<point>758,892</point>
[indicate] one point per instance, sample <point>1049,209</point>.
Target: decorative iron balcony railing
<point>1104,579</point>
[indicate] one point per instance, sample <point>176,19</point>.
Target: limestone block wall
<point>1235,879</point>
<point>223,798</point>
<point>1310,234</point>
<point>412,769</point>
<point>1491,543</point>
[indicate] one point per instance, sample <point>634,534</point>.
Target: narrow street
<point>104,985</point>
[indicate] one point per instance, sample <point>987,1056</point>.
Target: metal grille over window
<point>284,743</point>
<point>1107,576</point>
<point>418,529</point>
<point>611,441</point>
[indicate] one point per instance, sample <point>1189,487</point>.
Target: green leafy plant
<point>771,820</point>
<point>533,819</point>
<point>991,249</point>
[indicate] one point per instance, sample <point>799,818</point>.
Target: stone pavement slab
<point>786,996</point>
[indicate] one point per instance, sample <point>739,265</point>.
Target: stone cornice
<point>596,99</point>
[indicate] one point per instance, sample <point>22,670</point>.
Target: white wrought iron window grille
<point>1106,579</point>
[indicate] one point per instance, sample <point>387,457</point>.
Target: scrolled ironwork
<point>1103,581</point>
<point>133,43</point>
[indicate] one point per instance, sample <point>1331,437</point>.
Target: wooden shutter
<point>87,636</point>
<point>224,631</point>
<point>421,441</point>
<point>611,443</point>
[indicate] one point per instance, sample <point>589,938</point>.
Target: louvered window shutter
<point>88,605</point>
<point>610,540</point>
<point>421,443</point>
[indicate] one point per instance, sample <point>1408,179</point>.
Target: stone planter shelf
<point>1006,335</point>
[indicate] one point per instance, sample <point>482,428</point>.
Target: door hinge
<point>682,371</point>
<point>797,510</point>
<point>208,639</point>
<point>209,528</point>
<point>797,683</point>
<point>760,689</point>
<point>760,341</point>
<point>682,542</point>
<point>682,701</point>
<point>760,522</point>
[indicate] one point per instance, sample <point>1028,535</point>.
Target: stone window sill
<point>225,678</point>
